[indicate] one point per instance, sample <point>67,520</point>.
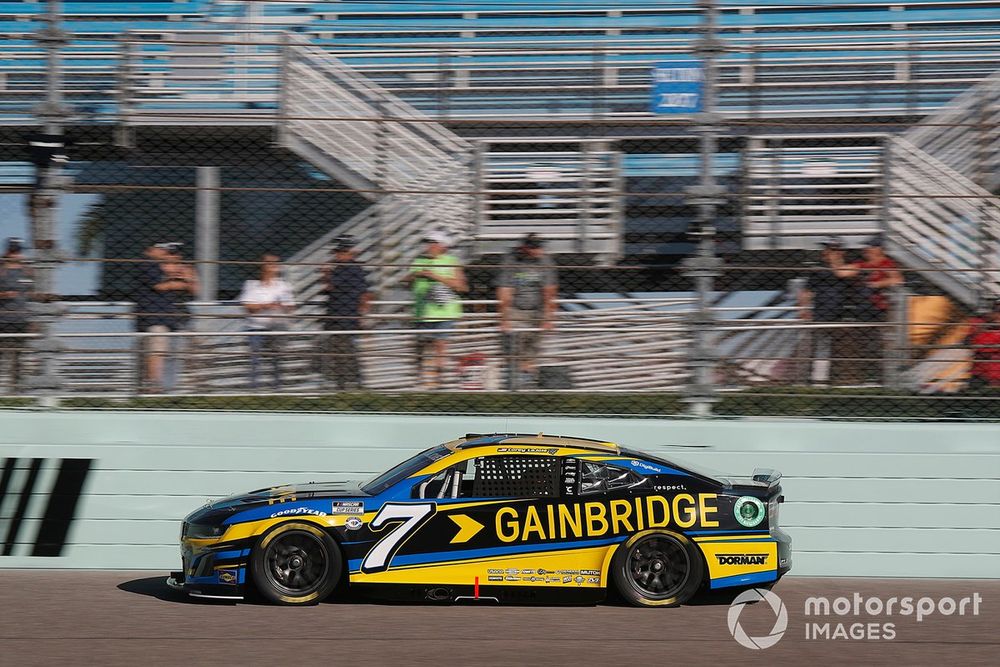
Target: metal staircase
<point>965,135</point>
<point>942,215</point>
<point>418,173</point>
<point>942,222</point>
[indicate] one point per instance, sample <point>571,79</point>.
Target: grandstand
<point>534,116</point>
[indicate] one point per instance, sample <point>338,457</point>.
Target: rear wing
<point>767,476</point>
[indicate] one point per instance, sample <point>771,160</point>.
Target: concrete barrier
<point>108,490</point>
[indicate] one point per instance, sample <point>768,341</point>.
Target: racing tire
<point>657,569</point>
<point>296,563</point>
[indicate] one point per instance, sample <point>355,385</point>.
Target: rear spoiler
<point>768,476</point>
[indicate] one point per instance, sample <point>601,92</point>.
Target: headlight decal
<point>201,532</point>
<point>749,511</point>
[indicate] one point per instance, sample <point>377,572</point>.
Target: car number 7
<point>412,516</point>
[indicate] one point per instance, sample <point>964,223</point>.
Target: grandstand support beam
<point>703,267</point>
<point>206,217</point>
<point>124,137</point>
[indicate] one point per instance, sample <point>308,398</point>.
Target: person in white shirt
<point>268,302</point>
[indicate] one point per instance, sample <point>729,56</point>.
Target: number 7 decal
<point>412,516</point>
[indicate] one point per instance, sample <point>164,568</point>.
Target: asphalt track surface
<point>132,618</point>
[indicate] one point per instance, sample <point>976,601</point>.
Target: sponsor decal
<point>494,571</point>
<point>297,511</point>
<point>742,559</point>
<point>544,571</point>
<point>569,572</point>
<point>579,580</point>
<point>513,571</point>
<point>593,580</point>
<point>642,465</point>
<point>590,573</point>
<point>552,580</point>
<point>227,576</point>
<point>494,578</point>
<point>352,507</point>
<point>670,487</point>
<point>528,572</point>
<point>353,523</point>
<point>749,511</point>
<point>22,480</point>
<point>510,578</point>
<point>602,518</point>
<point>527,450</point>
<point>567,578</point>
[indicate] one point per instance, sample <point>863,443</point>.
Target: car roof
<point>538,439</point>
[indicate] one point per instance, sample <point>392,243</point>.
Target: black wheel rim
<point>296,563</point>
<point>658,567</point>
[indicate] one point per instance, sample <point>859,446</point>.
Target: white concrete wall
<point>906,500</point>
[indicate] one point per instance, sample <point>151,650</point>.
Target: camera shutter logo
<point>780,621</point>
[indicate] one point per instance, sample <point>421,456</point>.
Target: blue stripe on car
<point>745,579</point>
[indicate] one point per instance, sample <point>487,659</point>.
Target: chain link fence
<point>716,225</point>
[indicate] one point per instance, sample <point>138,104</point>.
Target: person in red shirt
<point>879,272</point>
<point>984,340</point>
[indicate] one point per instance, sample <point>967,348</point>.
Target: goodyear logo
<point>741,559</point>
<point>597,519</point>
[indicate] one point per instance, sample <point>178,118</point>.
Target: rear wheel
<point>657,569</point>
<point>296,563</point>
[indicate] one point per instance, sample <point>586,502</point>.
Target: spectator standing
<point>526,291</point>
<point>984,340</point>
<point>15,289</point>
<point>878,274</point>
<point>348,302</point>
<point>833,296</point>
<point>165,284</point>
<point>436,280</point>
<point>267,300</point>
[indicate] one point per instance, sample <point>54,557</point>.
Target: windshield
<point>403,470</point>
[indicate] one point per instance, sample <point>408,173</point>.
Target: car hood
<point>219,510</point>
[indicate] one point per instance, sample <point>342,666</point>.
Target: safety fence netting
<point>308,233</point>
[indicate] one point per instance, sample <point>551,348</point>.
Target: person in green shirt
<point>436,280</point>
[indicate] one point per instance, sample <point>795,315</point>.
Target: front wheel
<point>657,569</point>
<point>295,564</point>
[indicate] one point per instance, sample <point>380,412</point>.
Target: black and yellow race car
<point>503,517</point>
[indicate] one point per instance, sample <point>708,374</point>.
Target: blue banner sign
<point>678,87</point>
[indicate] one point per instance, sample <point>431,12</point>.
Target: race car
<point>498,518</point>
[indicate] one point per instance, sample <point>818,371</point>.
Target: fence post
<point>43,202</point>
<point>897,339</point>
<point>802,364</point>
<point>381,181</point>
<point>703,267</point>
<point>207,232</point>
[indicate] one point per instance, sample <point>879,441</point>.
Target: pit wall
<point>108,490</point>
